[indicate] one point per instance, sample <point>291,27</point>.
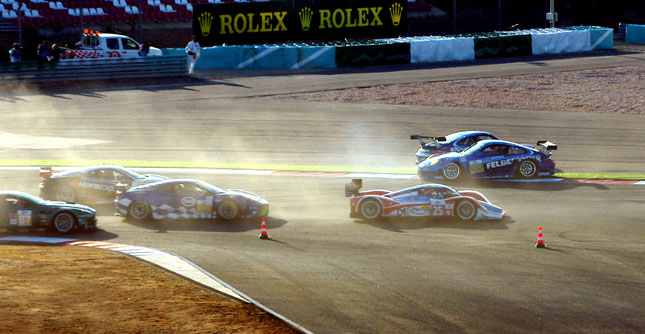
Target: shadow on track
<point>95,235</point>
<point>401,224</point>
<point>523,185</point>
<point>206,225</point>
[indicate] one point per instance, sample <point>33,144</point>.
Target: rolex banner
<point>298,20</point>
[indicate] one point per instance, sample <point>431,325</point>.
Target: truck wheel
<point>65,194</point>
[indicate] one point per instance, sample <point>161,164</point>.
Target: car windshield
<point>472,148</point>
<point>213,189</point>
<point>132,174</point>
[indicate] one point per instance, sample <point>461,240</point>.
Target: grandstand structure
<point>73,12</point>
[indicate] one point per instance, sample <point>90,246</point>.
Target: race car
<point>434,200</point>
<point>90,185</point>
<point>455,142</point>
<point>491,159</point>
<point>188,199</point>
<point>21,210</point>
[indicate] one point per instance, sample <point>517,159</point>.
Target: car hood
<point>67,205</point>
<point>247,194</point>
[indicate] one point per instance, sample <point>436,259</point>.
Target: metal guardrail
<point>94,69</point>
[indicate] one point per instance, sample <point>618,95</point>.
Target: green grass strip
<point>276,167</point>
<point>601,176</point>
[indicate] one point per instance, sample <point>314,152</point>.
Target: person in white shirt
<point>192,50</point>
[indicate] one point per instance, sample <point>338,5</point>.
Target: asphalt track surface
<point>333,274</point>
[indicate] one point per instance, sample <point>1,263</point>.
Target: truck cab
<point>97,45</point>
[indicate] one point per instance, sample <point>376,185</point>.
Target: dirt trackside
<point>66,289</point>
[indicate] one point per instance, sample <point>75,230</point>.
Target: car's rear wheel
<point>139,210</point>
<point>452,171</point>
<point>64,222</point>
<point>370,209</point>
<point>228,210</point>
<point>466,210</point>
<point>65,194</point>
<point>527,169</point>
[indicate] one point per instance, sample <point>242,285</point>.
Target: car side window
<point>129,44</point>
<point>112,43</point>
<point>467,141</point>
<point>121,177</point>
<point>484,137</point>
<point>167,188</point>
<point>515,150</point>
<point>494,150</point>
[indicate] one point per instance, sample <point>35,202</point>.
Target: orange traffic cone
<point>263,231</point>
<point>540,239</point>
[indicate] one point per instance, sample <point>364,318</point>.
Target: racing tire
<point>465,210</point>
<point>370,209</point>
<point>139,210</point>
<point>65,194</point>
<point>228,210</point>
<point>527,169</point>
<point>452,172</point>
<point>64,222</point>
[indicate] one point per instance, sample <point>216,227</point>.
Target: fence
<point>94,69</point>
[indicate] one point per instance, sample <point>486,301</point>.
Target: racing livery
<point>491,159</point>
<point>188,199</point>
<point>454,142</point>
<point>428,200</point>
<point>90,185</point>
<point>22,210</point>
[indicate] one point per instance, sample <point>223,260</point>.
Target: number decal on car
<point>437,210</point>
<point>22,218</point>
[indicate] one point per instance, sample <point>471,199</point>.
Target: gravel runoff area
<point>67,289</point>
<point>613,90</point>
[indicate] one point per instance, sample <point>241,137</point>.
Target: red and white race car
<point>433,200</point>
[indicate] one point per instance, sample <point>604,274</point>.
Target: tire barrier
<point>553,41</point>
<point>378,53</point>
<point>434,49</point>
<point>635,34</point>
<point>503,46</point>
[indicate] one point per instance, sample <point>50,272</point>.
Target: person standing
<point>42,52</point>
<point>192,50</point>
<point>14,53</point>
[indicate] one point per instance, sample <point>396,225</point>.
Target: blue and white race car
<point>188,199</point>
<point>491,159</point>
<point>454,142</point>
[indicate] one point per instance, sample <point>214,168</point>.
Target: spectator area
<point>44,13</point>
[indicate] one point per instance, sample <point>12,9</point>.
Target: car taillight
<point>547,159</point>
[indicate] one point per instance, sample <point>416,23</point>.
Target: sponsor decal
<point>188,201</point>
<point>498,163</point>
<point>395,13</point>
<point>305,18</point>
<point>96,186</point>
<point>476,166</point>
<point>205,22</point>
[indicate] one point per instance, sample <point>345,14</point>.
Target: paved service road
<point>332,274</point>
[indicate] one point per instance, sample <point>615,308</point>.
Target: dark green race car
<point>21,210</point>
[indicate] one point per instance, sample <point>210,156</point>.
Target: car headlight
<point>434,161</point>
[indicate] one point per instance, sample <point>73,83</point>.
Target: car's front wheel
<point>228,209</point>
<point>139,210</point>
<point>370,209</point>
<point>452,171</point>
<point>466,210</point>
<point>64,222</point>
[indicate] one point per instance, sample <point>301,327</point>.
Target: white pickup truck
<point>99,45</point>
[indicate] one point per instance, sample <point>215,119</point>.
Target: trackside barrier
<point>432,49</point>
<point>554,40</point>
<point>635,34</point>
<point>94,69</point>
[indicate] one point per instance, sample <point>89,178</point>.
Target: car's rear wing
<point>546,146</point>
<point>45,173</point>
<point>352,189</point>
<point>420,138</point>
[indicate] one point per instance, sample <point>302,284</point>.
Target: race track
<point>333,274</point>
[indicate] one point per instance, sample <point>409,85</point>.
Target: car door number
<point>437,210</point>
<point>22,218</point>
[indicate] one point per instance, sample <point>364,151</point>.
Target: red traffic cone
<point>263,231</point>
<point>540,239</point>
